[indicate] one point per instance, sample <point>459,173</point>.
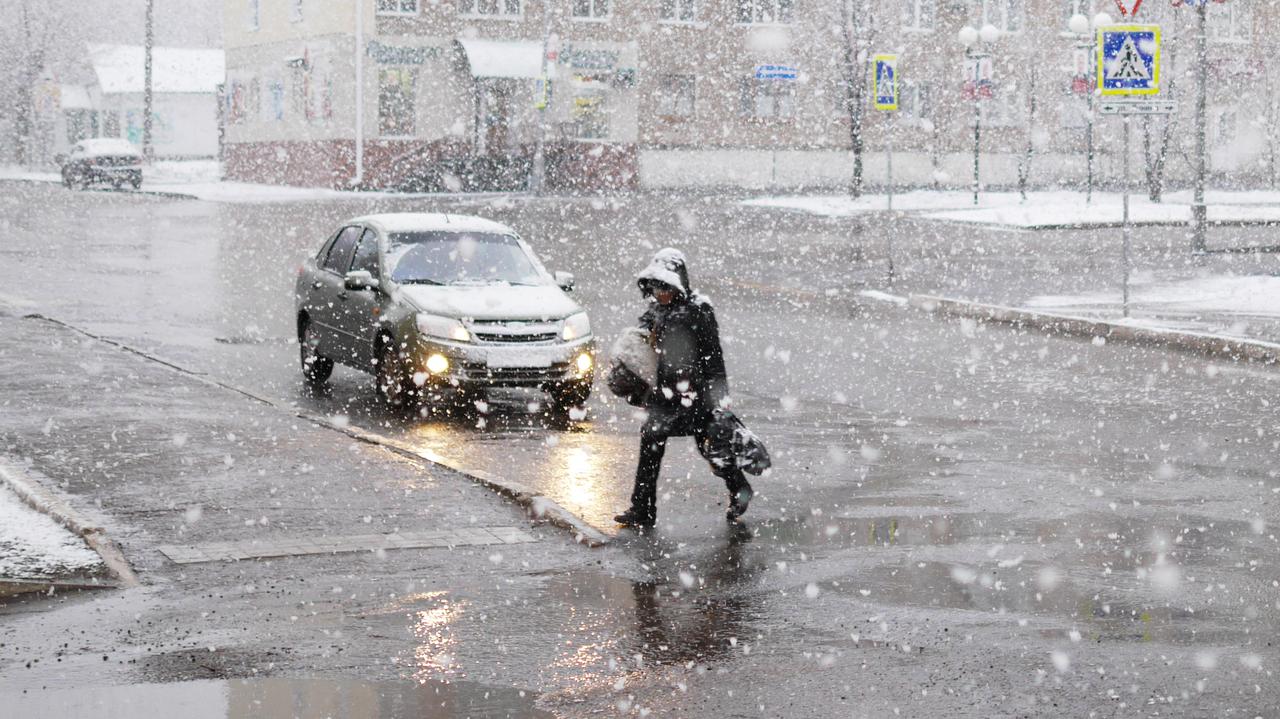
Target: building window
<point>1230,22</point>
<point>916,103</point>
<point>767,98</point>
<point>275,96</point>
<point>590,114</point>
<point>676,96</point>
<point>591,9</point>
<point>396,94</point>
<point>1079,7</point>
<point>489,8</point>
<point>295,10</point>
<point>764,12</point>
<point>1225,127</point>
<point>1007,15</point>
<point>918,14</point>
<point>254,13</point>
<point>679,10</point>
<point>397,7</point>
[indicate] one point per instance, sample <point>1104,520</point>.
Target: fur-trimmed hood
<point>668,267</point>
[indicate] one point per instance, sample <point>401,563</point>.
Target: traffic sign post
<point>1129,82</point>
<point>885,95</point>
<point>1129,60</point>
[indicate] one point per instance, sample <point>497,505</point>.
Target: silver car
<point>441,307</point>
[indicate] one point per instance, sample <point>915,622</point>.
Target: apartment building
<point>677,93</point>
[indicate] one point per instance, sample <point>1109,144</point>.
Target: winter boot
<point>738,502</point>
<point>635,520</point>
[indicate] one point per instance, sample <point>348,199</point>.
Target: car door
<point>361,311</point>
<point>327,294</point>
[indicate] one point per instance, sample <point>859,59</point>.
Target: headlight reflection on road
<point>578,470</point>
<point>437,641</point>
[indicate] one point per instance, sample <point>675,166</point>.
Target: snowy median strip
<point>1044,210</point>
<point>47,537</point>
<point>1228,348</point>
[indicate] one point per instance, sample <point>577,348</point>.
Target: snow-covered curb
<point>1041,210</point>
<point>1227,348</point>
<point>40,498</point>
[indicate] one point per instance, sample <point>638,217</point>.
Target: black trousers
<point>653,446</point>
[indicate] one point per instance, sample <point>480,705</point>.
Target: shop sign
<point>399,54</point>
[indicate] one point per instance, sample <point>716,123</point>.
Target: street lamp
<point>1081,26</point>
<point>970,38</point>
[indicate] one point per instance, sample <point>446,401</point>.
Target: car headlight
<point>576,327</point>
<point>443,327</point>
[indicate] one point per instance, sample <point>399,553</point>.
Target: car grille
<point>516,375</point>
<point>514,332</point>
<point>505,338</point>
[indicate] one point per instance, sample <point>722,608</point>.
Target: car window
<point>366,257</point>
<point>339,258</point>
<point>447,258</point>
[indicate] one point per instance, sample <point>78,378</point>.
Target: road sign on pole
<point>1130,8</point>
<point>1129,60</point>
<point>885,82</point>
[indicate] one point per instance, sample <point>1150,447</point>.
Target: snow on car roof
<point>432,222</point>
<point>109,146</point>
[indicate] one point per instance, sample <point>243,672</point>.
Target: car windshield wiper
<point>419,281</point>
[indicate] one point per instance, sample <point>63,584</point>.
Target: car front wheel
<point>315,369</point>
<point>570,397</point>
<point>392,380</point>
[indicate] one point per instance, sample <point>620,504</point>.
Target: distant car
<point>441,307</point>
<point>104,159</point>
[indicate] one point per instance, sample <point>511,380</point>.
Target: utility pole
<point>148,100</point>
<point>538,173</point>
<point>1199,213</point>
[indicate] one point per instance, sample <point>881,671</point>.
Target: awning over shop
<point>504,58</point>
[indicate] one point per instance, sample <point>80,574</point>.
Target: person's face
<point>664,296</point>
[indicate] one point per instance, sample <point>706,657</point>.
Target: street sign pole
<point>1129,81</point>
<point>886,84</point>
<point>1127,225</point>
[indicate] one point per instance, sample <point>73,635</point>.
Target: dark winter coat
<point>691,379</point>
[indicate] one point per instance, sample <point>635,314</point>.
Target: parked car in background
<point>104,159</point>
<point>441,307</point>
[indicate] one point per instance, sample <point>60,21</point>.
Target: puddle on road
<point>278,699</point>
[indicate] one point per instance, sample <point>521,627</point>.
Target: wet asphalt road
<point>962,518</point>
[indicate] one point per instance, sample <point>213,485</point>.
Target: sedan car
<point>103,159</point>
<point>441,307</point>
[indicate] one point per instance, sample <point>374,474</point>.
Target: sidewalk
<point>162,460</point>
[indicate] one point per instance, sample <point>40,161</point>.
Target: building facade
<point>678,93</point>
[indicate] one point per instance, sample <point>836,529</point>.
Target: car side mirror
<point>565,280</point>
<point>359,280</point>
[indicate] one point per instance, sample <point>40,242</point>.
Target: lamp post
<point>1199,213</point>
<point>148,97</point>
<point>1085,30</point>
<point>970,38</point>
<point>538,171</point>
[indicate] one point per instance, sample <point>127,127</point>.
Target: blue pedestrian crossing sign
<point>885,82</point>
<point>1129,60</point>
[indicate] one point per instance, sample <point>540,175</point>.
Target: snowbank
<point>33,546</point>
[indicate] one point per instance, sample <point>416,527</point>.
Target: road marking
<point>304,546</point>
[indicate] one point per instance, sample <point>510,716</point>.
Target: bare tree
<point>856,24</point>
<point>25,50</point>
<point>1156,154</point>
<point>1024,163</point>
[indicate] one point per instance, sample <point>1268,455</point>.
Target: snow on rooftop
<point>433,222</point>
<point>121,68</point>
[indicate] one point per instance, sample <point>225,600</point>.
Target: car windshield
<point>451,258</point>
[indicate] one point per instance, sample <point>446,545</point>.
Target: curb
<point>1217,346</point>
<point>540,506</point>
<point>43,500</point>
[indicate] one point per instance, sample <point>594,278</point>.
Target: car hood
<point>492,302</point>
